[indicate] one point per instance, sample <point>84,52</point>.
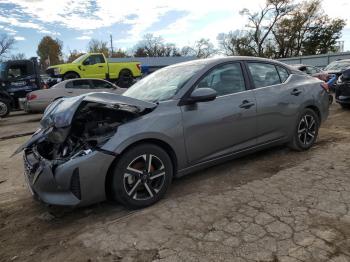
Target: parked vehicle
<point>38,100</point>
<point>342,90</point>
<point>5,102</point>
<point>313,71</point>
<point>337,67</point>
<point>177,120</point>
<point>17,78</point>
<point>95,65</point>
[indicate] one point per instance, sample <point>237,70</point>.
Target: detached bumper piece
<point>77,182</point>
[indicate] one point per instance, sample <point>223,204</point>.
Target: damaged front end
<point>64,162</point>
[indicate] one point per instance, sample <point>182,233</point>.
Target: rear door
<point>95,66</point>
<point>77,87</point>
<point>278,101</point>
<point>225,125</point>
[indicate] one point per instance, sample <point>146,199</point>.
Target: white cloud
<point>19,38</point>
<point>80,15</point>
<point>48,32</point>
<point>83,37</point>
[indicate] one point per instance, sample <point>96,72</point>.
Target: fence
<point>316,60</point>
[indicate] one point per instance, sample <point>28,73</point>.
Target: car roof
<point>216,60</point>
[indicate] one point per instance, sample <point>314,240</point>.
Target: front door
<point>95,67</point>
<point>222,126</point>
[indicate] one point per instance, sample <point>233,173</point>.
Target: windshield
<point>2,70</point>
<point>80,59</point>
<point>338,65</point>
<point>163,84</point>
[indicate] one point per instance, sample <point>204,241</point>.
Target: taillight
<point>31,97</point>
<point>138,66</point>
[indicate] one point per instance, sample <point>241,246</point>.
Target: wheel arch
<point>316,110</point>
<point>125,69</point>
<point>71,71</point>
<point>162,144</point>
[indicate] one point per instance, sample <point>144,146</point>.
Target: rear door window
<point>263,74</point>
<point>283,73</point>
<point>99,84</point>
<point>79,84</point>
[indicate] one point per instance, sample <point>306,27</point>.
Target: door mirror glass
<point>203,94</point>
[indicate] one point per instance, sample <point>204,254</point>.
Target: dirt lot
<point>276,205</point>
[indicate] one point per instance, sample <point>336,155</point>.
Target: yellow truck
<point>96,65</point>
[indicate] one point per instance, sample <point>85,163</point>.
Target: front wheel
<point>142,176</point>
<point>306,131</point>
<point>4,108</point>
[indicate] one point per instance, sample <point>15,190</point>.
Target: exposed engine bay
<point>92,125</point>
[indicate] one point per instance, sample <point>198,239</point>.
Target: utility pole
<point>111,45</point>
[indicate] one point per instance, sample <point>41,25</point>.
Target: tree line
<point>280,29</point>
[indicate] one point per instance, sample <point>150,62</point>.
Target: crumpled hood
<point>61,112</point>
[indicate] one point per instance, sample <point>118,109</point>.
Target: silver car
<point>37,101</point>
<point>177,120</point>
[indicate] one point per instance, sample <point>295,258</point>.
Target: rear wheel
<point>4,108</point>
<point>142,176</point>
<point>70,75</point>
<point>125,79</point>
<point>306,131</point>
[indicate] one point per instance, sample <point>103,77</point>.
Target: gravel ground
<point>275,205</point>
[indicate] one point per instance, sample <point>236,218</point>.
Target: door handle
<point>246,104</point>
<point>70,92</point>
<point>296,92</point>
<point>100,66</point>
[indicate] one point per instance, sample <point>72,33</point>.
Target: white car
<point>37,101</point>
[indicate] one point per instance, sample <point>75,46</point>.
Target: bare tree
<point>153,46</point>
<point>202,48</point>
<point>6,44</point>
<point>262,22</point>
<point>97,46</point>
<point>19,56</point>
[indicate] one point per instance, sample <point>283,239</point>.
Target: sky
<point>181,22</point>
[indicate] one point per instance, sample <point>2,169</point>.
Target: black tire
<point>306,131</point>
<point>345,106</point>
<point>125,79</point>
<point>70,75</point>
<point>136,184</point>
<point>4,108</point>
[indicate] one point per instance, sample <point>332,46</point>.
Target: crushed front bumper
<point>78,182</point>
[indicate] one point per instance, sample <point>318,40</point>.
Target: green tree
<point>97,46</point>
<point>50,51</point>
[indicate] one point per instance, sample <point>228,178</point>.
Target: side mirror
<point>203,94</point>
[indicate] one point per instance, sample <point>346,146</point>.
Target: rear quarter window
<point>283,73</point>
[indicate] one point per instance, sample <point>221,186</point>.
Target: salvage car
<point>38,100</point>
<point>342,90</point>
<point>313,71</point>
<point>338,67</point>
<point>180,119</point>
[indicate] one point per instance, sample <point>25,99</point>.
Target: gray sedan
<point>37,101</point>
<point>180,119</point>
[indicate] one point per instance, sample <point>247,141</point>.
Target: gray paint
<point>205,133</point>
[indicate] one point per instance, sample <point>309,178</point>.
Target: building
<point>151,64</point>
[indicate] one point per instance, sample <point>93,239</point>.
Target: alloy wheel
<point>3,109</point>
<point>307,129</point>
<point>144,177</point>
